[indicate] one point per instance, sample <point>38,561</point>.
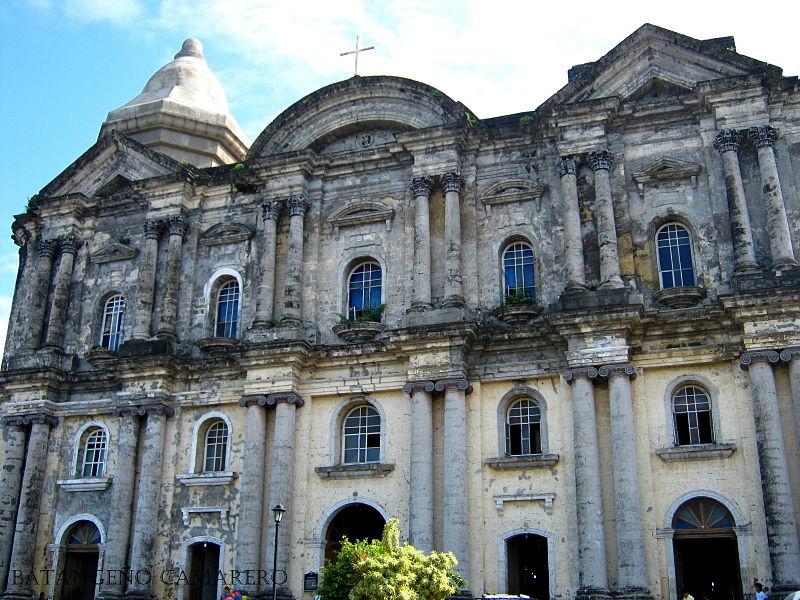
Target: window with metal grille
<point>691,408</point>
<point>675,263</point>
<point>228,310</point>
<point>524,428</point>
<point>216,447</point>
<point>518,272</point>
<point>113,321</point>
<point>94,453</point>
<point>361,436</point>
<point>364,289</point>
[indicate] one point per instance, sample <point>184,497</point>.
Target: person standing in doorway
<point>760,595</point>
<point>687,596</point>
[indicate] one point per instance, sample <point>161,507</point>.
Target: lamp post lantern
<point>277,512</point>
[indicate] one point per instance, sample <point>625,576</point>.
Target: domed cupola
<point>183,112</point>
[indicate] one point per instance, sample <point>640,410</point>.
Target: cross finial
<point>356,52</point>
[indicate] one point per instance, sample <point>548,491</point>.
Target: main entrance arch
<point>354,521</point>
<point>706,551</point>
<point>527,564</point>
<point>81,557</point>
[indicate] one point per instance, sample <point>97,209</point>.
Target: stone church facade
<point>562,344</point>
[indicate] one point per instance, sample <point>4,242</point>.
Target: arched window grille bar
<point>361,436</point>
<point>216,447</point>
<point>94,454</point>
<point>675,261</point>
<point>228,310</point>
<point>113,322</point>
<point>518,271</point>
<point>524,428</point>
<point>691,409</point>
<point>364,291</point>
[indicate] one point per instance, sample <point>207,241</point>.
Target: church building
<point>562,344</point>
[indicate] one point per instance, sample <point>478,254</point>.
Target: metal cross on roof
<point>356,52</point>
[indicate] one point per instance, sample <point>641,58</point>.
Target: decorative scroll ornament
<point>422,186</point>
<point>270,209</point>
<point>617,369</point>
<point>727,140</point>
<point>298,205</point>
<point>567,165</point>
<point>757,356</point>
<point>46,248</point>
<point>22,420</point>
<point>763,135</point>
<point>153,229</point>
<point>412,386</point>
<point>601,160</point>
<point>458,383</point>
<point>178,225</point>
<point>271,400</point>
<point>788,354</point>
<point>126,411</point>
<point>155,409</point>
<point>12,421</point>
<point>572,374</point>
<point>452,182</point>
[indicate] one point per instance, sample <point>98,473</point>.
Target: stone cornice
<point>422,385</point>
<point>617,369</point>
<point>757,356</point>
<point>571,374</point>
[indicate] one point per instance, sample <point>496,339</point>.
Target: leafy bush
<point>387,570</point>
<point>517,296</point>
<point>368,315</point>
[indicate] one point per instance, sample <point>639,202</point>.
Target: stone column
<point>780,240</point>
<point>421,188</point>
<point>727,142</point>
<point>791,356</point>
<point>45,250</point>
<point>293,293</point>
<point>421,466</point>
<point>119,526</point>
<point>251,500</point>
<point>266,288</point>
<point>588,492</point>
<point>281,480</point>
<point>14,434</point>
<point>147,280</point>
<point>784,548</point>
<point>632,567</point>
<point>453,290</point>
<point>23,548</point>
<point>177,226</point>
<point>573,240</point>
<point>145,511</point>
<point>455,506</point>
<point>58,309</point>
<point>601,163</point>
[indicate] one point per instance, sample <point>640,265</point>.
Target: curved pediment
<point>362,213</point>
<point>223,234</point>
<point>359,104</point>
<point>511,190</point>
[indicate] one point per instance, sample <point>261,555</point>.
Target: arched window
<point>675,264</point>
<point>524,428</point>
<point>518,272</point>
<point>215,447</point>
<point>364,292</point>
<point>228,310</point>
<point>361,436</point>
<point>95,447</point>
<point>691,409</point>
<point>113,321</point>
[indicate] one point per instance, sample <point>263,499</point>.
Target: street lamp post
<point>278,514</point>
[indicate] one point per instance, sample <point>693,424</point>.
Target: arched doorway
<point>202,569</point>
<point>355,521</point>
<point>706,551</point>
<point>81,556</point>
<point>528,567</point>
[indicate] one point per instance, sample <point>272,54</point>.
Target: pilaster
<point>147,280</point>
<point>452,184</point>
<point>573,240</point>
<point>270,210</point>
<point>58,310</point>
<point>15,436</point>
<point>421,188</point>
<point>421,467</point>
<point>177,227</point>
<point>601,163</point>
<point>45,251</point>
<point>293,292</point>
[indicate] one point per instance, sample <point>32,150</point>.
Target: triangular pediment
<point>113,252</point>
<point>511,190</point>
<point>115,161</point>
<point>224,234</point>
<point>362,213</point>
<point>666,169</point>
<point>656,60</point>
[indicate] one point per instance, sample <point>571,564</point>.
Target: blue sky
<point>64,64</point>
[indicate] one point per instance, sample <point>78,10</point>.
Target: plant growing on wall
<point>388,570</point>
<point>372,314</point>
<point>517,296</point>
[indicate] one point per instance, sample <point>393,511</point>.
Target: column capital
<point>271,400</point>
<point>452,182</point>
<point>458,383</point>
<point>177,225</point>
<point>126,411</point>
<point>567,165</point>
<point>270,209</point>
<point>153,228</point>
<point>46,248</point>
<point>571,374</point>
<point>626,369</point>
<point>69,244</point>
<point>422,186</point>
<point>12,421</point>
<point>601,159</point>
<point>298,205</point>
<point>154,408</point>
<point>757,356</point>
<point>763,135</point>
<point>788,354</point>
<point>27,419</point>
<point>727,140</point>
<point>412,386</point>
